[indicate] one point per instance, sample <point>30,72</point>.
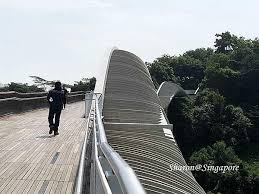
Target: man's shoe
<point>51,128</point>
<point>56,133</point>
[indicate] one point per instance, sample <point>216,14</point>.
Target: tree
<point>237,125</point>
<point>41,82</point>
<point>202,54</point>
<point>216,155</point>
<point>219,154</point>
<point>224,113</point>
<point>212,121</point>
<point>224,42</point>
<point>189,71</point>
<point>161,72</point>
<point>22,88</point>
<point>206,117</point>
<point>185,70</point>
<point>205,124</point>
<point>84,84</point>
<point>207,120</point>
<point>221,60</point>
<point>225,80</point>
<point>244,53</point>
<point>208,96</point>
<point>179,113</point>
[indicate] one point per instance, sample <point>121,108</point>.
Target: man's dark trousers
<point>54,113</point>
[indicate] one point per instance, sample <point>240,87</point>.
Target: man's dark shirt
<point>57,99</point>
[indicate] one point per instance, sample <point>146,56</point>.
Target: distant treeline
<point>220,126</point>
<point>41,85</point>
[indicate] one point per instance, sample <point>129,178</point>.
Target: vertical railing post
<point>88,102</point>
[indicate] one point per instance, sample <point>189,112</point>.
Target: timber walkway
<point>129,151</point>
<point>31,160</point>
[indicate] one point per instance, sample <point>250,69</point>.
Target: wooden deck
<point>31,160</point>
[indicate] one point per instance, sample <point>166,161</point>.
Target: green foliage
<point>43,83</point>
<point>22,88</point>
<point>160,70</point>
<point>203,121</point>
<point>206,120</point>
<point>218,154</point>
<point>187,70</point>
<point>204,55</point>
<point>250,154</point>
<point>225,80</point>
<point>212,97</point>
<point>84,84</point>
<point>249,88</point>
<point>221,60</point>
<point>40,85</point>
<point>213,121</point>
<point>237,124</point>
<point>224,116</point>
<point>224,42</point>
<point>243,53</point>
<point>179,113</point>
<point>241,181</point>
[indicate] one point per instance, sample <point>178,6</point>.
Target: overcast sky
<point>69,39</point>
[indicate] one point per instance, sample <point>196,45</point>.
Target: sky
<point>70,39</point>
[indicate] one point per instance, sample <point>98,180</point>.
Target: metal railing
<point>109,172</point>
<point>81,169</point>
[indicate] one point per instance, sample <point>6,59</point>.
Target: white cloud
<point>42,36</point>
<point>100,4</point>
<point>54,4</point>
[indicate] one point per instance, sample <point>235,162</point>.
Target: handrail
<point>80,175</point>
<point>127,178</point>
<point>103,179</point>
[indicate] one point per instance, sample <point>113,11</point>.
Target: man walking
<point>65,96</point>
<point>55,99</point>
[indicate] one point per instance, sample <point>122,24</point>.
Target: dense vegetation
<point>22,88</point>
<point>41,85</point>
<point>84,84</point>
<point>220,126</point>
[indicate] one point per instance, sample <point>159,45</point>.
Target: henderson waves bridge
<point>118,140</point>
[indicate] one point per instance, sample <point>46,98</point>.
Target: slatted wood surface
<point>31,160</point>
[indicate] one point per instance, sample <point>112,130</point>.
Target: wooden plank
<point>13,186</point>
<point>69,172</point>
<point>43,187</point>
<point>12,169</point>
<point>26,172</point>
<point>54,187</point>
<point>69,188</point>
<point>64,188</point>
<point>7,186</point>
<point>55,173</point>
<point>49,187</point>
<point>34,186</point>
<point>27,151</point>
<point>18,171</point>
<point>61,170</point>
<point>26,186</point>
<point>40,184</point>
<point>19,187</point>
<point>5,183</point>
<point>59,187</point>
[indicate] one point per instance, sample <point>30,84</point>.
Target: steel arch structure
<point>137,128</point>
